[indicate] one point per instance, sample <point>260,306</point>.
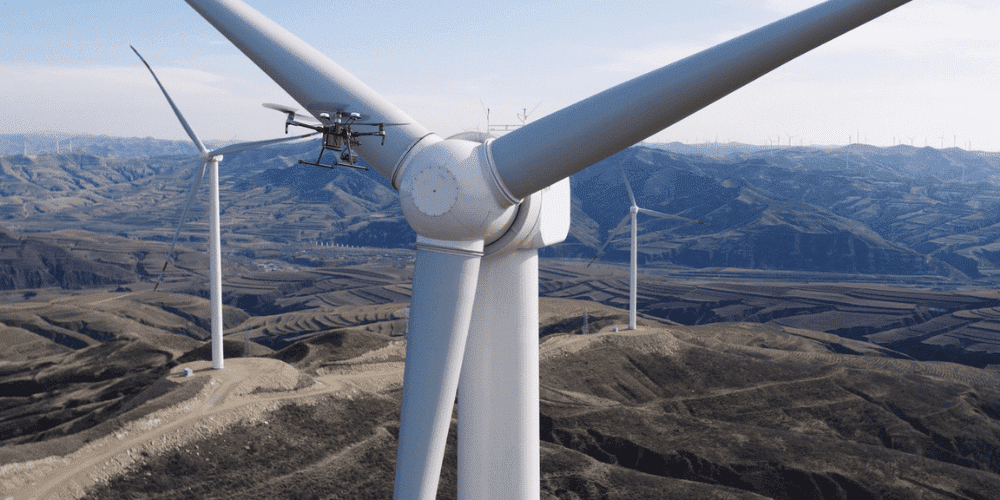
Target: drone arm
<point>310,126</point>
<point>567,141</point>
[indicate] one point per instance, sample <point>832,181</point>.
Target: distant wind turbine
<point>633,267</point>
<point>210,161</point>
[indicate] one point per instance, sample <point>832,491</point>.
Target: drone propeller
<point>288,110</point>
<point>280,107</point>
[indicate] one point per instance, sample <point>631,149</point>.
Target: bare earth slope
<point>733,410</point>
<point>220,398</point>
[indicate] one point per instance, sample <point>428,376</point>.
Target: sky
<point>923,74</point>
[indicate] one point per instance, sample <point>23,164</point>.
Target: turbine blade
<point>662,215</point>
<point>311,78</point>
<point>236,148</point>
<point>184,123</point>
<point>567,141</point>
<point>443,293</point>
<point>627,187</point>
<point>187,206</point>
<point>500,379</point>
<point>614,232</point>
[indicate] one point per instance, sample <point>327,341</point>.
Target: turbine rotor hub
<point>448,192</point>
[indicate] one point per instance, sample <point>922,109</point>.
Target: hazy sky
<point>922,72</point>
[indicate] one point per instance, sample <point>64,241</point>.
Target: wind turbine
<point>481,210</point>
<point>210,161</point>
<point>634,210</point>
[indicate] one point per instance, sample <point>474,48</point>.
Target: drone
<point>337,134</point>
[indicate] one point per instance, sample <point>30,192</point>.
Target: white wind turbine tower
<point>210,160</point>
<point>633,274</point>
<point>482,209</point>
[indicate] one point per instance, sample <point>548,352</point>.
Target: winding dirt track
<point>226,398</point>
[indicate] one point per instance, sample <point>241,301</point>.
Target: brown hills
<point>723,408</point>
<point>36,262</point>
<point>860,209</point>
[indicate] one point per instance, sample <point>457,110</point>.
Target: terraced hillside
<point>923,324</point>
<point>733,410</point>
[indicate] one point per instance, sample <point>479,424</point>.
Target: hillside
<point>860,209</point>
<point>824,325</point>
<point>924,317</point>
<point>735,410</point>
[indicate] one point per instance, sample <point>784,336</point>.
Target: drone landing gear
<point>347,159</point>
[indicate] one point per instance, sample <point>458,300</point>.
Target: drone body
<point>338,134</point>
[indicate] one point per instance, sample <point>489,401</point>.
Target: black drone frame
<point>339,136</point>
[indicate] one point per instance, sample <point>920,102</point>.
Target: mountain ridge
<point>856,209</point>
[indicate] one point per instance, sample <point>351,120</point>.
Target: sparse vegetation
<point>755,389</point>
